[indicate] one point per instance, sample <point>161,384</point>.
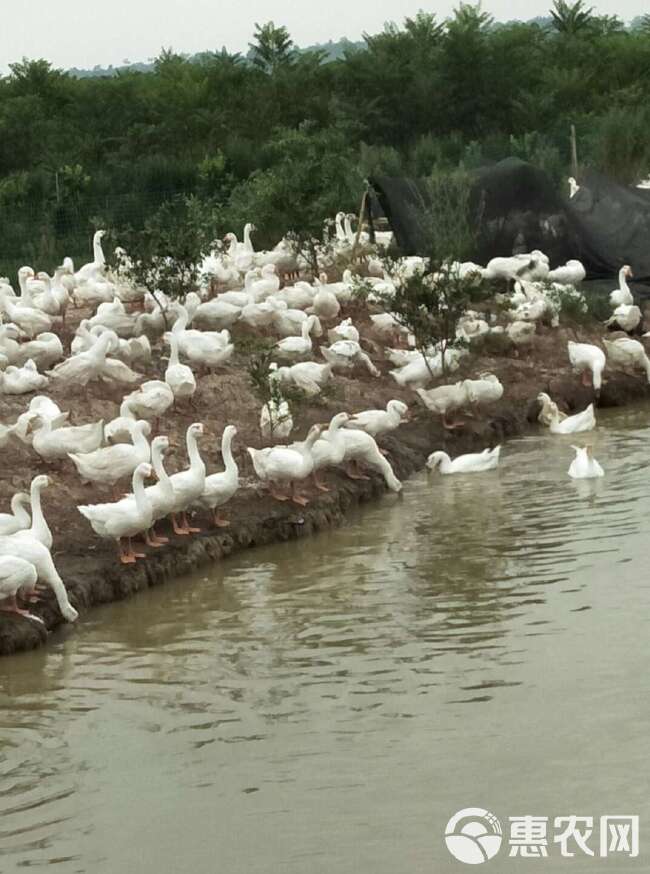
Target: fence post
<point>574,153</point>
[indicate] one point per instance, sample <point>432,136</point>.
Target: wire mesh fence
<point>42,234</point>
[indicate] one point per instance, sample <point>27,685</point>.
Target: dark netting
<point>517,209</point>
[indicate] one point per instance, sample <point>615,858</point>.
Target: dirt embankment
<point>89,566</point>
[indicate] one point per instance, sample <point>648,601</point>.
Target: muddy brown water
<point>326,705</point>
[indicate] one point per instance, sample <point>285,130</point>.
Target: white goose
<point>118,430</point>
<point>125,518</point>
<point>473,462</point>
<point>151,400</point>
<point>52,443</point>
<point>220,487</point>
<point>571,273</point>
<point>161,495</point>
<point>39,529</point>
<point>28,318</point>
<point>292,348</point>
<point>583,421</point>
<point>628,354</point>
<point>276,420</point>
<point>21,380</point>
<point>325,304</point>
<point>84,367</point>
<point>376,422</point>
<point>188,484</point>
<point>445,399</point>
<point>345,354</point>
<point>203,348</point>
<point>90,269</point>
<point>485,390</point>
<point>627,317</point>
<point>179,377</point>
<point>622,294</point>
<point>587,359</point>
<point>344,331</point>
<point>309,376</point>
<point>329,449</point>
<point>549,410</point>
<point>112,463</point>
<point>15,574</point>
<point>584,465</point>
<point>44,351</point>
<point>19,518</point>
<point>35,553</point>
<point>278,465</point>
<point>46,409</point>
<point>361,448</point>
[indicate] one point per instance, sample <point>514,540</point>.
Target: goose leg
<point>218,520</point>
<point>586,378</point>
<point>151,539</point>
<point>158,537</point>
<point>10,605</point>
<point>352,470</point>
<point>318,482</point>
<point>132,551</point>
<point>296,498</point>
<point>450,425</point>
<point>188,526</point>
<point>275,493</point>
<point>125,557</point>
<point>177,528</point>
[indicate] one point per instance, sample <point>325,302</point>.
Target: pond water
<point>327,705</point>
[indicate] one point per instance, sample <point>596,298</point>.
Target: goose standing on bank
<point>179,377</point>
<point>589,361</point>
<point>125,518</point>
<point>35,553</point>
<point>188,484</point>
<point>361,448</point>
<point>110,464</point>
<point>220,487</point>
<point>15,574</point>
<point>376,422</point>
<point>622,294</point>
<point>279,465</point>
<point>628,354</point>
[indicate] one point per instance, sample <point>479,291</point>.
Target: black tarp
<point>517,208</point>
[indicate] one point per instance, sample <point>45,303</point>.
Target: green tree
<point>571,19</point>
<point>272,49</point>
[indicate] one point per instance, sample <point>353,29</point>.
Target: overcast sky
<point>82,33</point>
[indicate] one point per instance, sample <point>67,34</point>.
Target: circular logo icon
<point>473,835</point>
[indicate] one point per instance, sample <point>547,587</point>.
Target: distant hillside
<point>332,52</point>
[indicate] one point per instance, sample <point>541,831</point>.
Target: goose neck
<point>226,452</point>
<point>141,500</point>
<point>196,462</point>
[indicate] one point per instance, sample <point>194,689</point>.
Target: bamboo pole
<point>358,233</point>
<point>574,153</point>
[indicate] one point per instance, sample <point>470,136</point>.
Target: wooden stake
<point>574,153</point>
<point>358,233</point>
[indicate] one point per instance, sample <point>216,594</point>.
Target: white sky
<point>83,33</point>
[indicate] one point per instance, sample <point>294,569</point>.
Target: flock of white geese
<point>128,321</point>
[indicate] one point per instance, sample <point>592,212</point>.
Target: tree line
<point>282,138</point>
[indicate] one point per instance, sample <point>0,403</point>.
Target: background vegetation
<point>282,137</point>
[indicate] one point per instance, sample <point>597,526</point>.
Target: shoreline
<point>93,576</point>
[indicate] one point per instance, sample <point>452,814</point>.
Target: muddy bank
<point>93,576</point>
